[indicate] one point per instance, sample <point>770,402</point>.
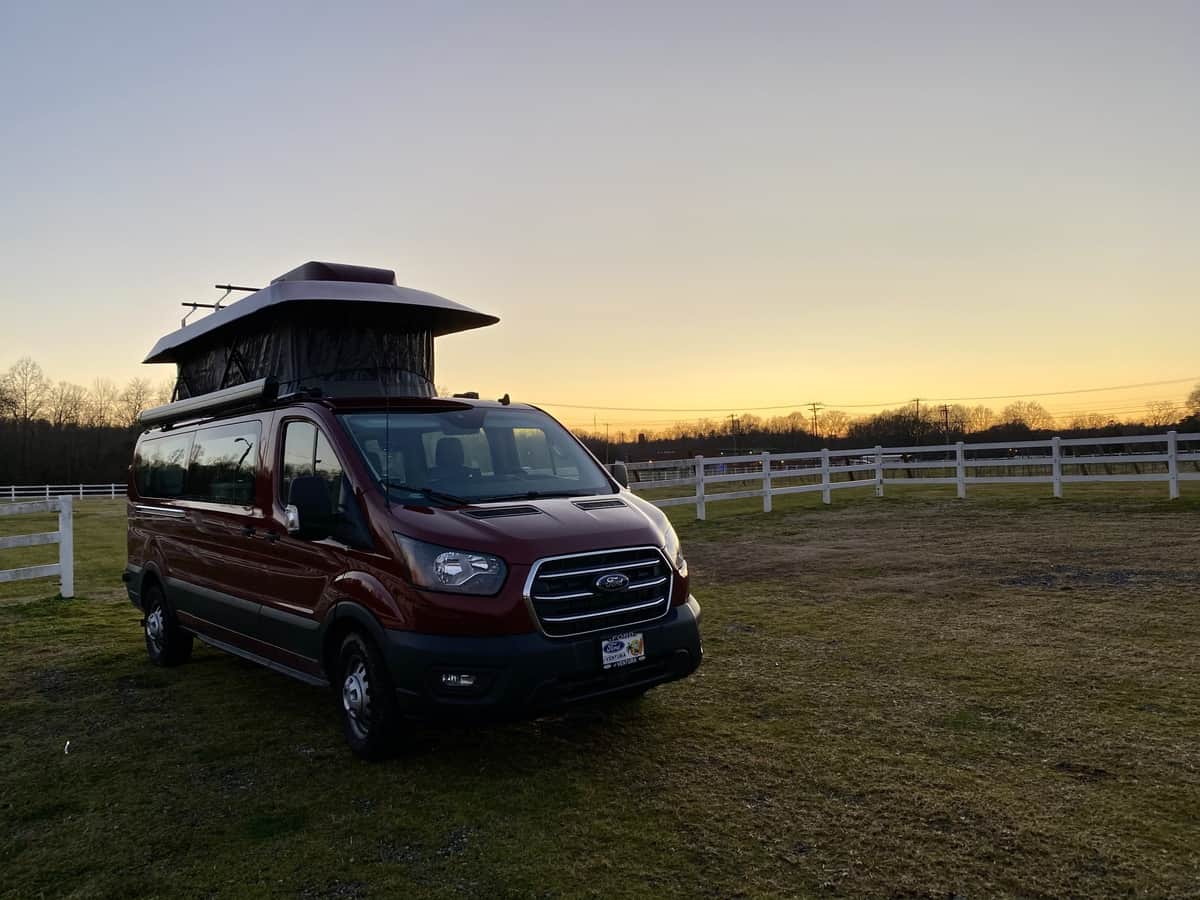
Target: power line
<point>860,405</point>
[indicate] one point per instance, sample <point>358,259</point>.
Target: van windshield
<point>473,455</point>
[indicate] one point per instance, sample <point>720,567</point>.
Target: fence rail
<point>1056,462</point>
<point>15,492</point>
<point>64,537</point>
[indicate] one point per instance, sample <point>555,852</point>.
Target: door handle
<point>248,531</point>
<point>272,536</point>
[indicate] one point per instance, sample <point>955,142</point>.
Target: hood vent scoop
<point>502,512</point>
<point>598,504</point>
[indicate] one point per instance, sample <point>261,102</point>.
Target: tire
<point>166,643</point>
<point>366,700</point>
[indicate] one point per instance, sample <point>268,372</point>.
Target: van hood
<point>524,531</point>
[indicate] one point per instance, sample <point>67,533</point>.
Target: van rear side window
<point>160,466</point>
<point>223,463</point>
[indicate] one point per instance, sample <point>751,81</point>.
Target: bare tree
<point>133,400</point>
<point>8,406</point>
<point>1029,413</point>
<point>1193,401</point>
<point>1091,421</point>
<point>164,392</point>
<point>833,423</point>
<point>1162,412</point>
<point>979,418</point>
<point>28,389</point>
<point>66,404</point>
<point>101,406</point>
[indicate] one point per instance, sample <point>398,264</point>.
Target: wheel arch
<point>344,617</point>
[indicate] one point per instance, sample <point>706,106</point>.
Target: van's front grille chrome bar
<point>595,615</point>
<point>606,590</point>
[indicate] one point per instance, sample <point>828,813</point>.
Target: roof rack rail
<point>252,393</point>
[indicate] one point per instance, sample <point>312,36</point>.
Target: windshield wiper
<point>427,493</point>
<point>537,495</point>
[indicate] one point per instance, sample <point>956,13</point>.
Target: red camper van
<point>305,502</point>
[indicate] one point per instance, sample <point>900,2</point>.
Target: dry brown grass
<point>913,697</point>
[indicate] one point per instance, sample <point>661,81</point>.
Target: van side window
<point>299,443</point>
<point>223,463</point>
<point>306,451</point>
<point>160,465</point>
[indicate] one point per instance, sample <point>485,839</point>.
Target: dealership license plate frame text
<point>623,649</point>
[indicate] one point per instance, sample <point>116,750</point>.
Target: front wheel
<point>166,643</point>
<point>366,700</point>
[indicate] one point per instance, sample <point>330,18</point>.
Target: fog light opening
<point>458,680</point>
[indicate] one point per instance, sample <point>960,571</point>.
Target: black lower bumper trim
<point>522,675</point>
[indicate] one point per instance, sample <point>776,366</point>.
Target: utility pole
<point>815,407</point>
<point>946,422</point>
<point>607,444</point>
<point>733,429</point>
<point>917,420</point>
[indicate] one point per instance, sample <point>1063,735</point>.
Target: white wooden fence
<point>64,537</point>
<point>15,492</point>
<point>1056,462</point>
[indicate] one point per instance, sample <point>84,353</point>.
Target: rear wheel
<point>166,643</point>
<point>366,700</point>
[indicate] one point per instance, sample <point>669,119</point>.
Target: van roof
<point>335,283</point>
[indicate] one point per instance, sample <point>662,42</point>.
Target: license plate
<point>622,649</point>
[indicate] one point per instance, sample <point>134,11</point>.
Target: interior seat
<point>450,462</point>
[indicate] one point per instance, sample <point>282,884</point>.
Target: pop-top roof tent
<point>341,329</point>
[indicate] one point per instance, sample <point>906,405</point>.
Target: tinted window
<point>224,462</point>
<point>299,449</point>
<point>160,465</point>
<point>326,466</point>
<point>307,452</point>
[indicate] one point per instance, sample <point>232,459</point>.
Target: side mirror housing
<point>620,472</point>
<point>309,497</point>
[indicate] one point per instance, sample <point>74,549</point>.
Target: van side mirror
<point>309,498</point>
<point>620,472</point>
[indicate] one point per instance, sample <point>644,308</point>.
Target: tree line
<point>911,425</point>
<point>57,432</point>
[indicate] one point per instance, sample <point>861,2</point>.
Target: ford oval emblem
<point>614,646</point>
<point>613,581</point>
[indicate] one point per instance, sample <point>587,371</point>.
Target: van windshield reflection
<point>476,455</point>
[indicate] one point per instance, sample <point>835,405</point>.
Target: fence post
<point>700,510</point>
<point>1056,465</point>
<point>47,492</point>
<point>766,473</point>
<point>825,494</point>
<point>66,547</point>
<point>1173,465</point>
<point>12,492</point>
<point>878,470</point>
<point>960,469</point>
<point>113,490</point>
<point>81,492</point>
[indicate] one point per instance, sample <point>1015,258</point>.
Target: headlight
<point>456,571</point>
<point>674,551</point>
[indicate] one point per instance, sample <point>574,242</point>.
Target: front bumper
<point>526,674</point>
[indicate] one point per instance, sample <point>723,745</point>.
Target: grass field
<point>912,696</point>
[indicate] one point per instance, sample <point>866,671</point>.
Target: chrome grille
<point>564,594</point>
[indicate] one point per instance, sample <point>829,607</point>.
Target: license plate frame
<point>625,649</point>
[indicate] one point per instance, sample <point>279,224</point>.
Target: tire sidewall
<point>382,725</point>
<point>176,644</point>
<point>157,600</point>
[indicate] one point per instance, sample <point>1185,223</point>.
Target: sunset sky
<point>668,205</point>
